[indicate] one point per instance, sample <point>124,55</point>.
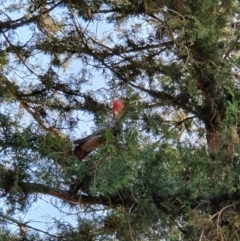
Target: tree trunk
<point>213,126</point>
<point>212,138</point>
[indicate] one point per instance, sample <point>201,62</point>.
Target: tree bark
<point>61,194</point>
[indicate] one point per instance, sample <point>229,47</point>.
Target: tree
<point>173,173</point>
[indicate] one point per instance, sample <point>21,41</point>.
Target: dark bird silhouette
<point>90,143</point>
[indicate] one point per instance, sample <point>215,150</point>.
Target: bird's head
<point>117,107</point>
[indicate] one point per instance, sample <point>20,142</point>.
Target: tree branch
<point>13,24</point>
<point>35,116</point>
<point>25,225</point>
<point>29,188</point>
<point>231,47</point>
<point>166,99</point>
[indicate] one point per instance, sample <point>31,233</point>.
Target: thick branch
<point>125,199</point>
<point>66,196</point>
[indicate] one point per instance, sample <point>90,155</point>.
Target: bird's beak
<point>115,114</point>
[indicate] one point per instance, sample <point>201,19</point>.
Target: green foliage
<point>3,58</point>
<point>170,168</point>
<point>231,107</point>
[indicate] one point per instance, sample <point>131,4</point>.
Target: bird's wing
<point>85,145</point>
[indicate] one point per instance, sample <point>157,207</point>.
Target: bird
<point>90,143</point>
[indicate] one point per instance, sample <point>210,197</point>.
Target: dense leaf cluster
<point>172,172</point>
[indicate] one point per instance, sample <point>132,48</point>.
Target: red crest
<point>117,106</point>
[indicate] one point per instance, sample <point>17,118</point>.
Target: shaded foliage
<point>172,173</point>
